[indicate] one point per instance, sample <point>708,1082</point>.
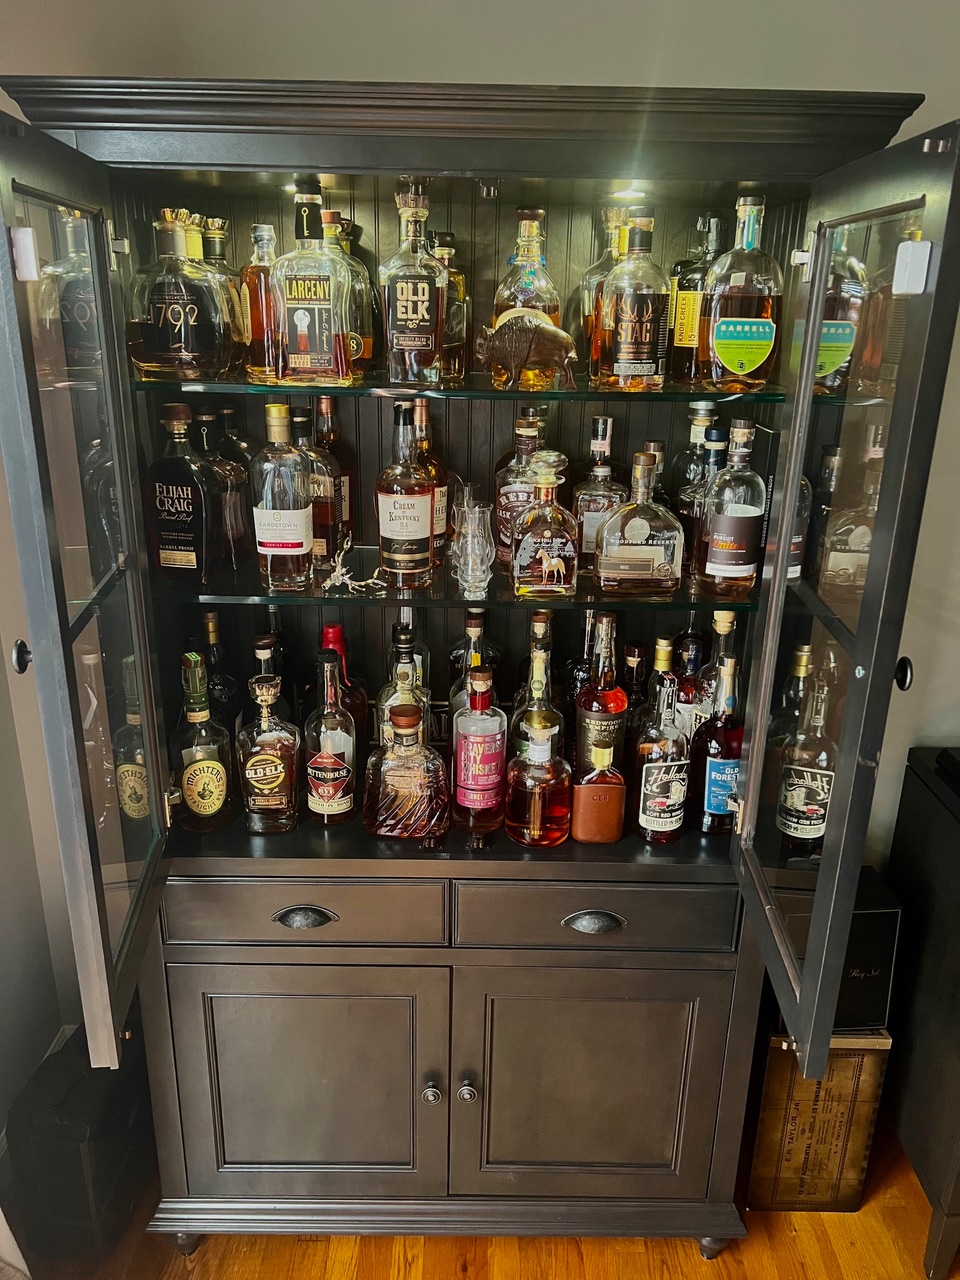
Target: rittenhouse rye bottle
<point>636,293</point>
<point>806,776</point>
<point>201,756</point>
<point>267,751</point>
<point>732,523</point>
<point>413,284</point>
<point>282,507</point>
<point>715,757</point>
<point>661,769</point>
<point>182,507</point>
<point>639,545</point>
<point>545,536</point>
<point>599,798</point>
<point>405,502</point>
<point>479,761</point>
<point>330,746</point>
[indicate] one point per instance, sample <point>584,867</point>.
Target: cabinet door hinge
<point>171,797</point>
<point>116,244</point>
<point>804,257</point>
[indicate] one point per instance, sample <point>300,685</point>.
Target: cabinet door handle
<point>903,676</point>
<point>431,1094</point>
<point>304,917</point>
<point>466,1092</point>
<point>20,657</point>
<point>594,921</point>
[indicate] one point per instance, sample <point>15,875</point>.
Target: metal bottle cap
<point>278,422</point>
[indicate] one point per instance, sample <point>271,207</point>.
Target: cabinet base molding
<point>452,1216</point>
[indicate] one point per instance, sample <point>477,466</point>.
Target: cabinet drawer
<point>648,917</point>
<point>305,912</point>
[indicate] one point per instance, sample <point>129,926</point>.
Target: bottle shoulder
<point>311,262</point>
<point>639,273</point>
<point>732,489</point>
<point>412,262</point>
<point>745,271</point>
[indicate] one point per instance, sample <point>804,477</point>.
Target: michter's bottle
<point>182,507</point>
<point>636,293</point>
<point>201,756</point>
<point>132,788</point>
<point>413,283</point>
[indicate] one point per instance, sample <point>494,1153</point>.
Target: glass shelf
<point>244,587</point>
<point>477,386</point>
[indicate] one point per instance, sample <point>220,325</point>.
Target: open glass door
<point>876,310</point>
<point>72,496</point>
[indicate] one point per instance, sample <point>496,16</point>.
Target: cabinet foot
<point>943,1241</point>
<point>186,1242</point>
<point>712,1246</point>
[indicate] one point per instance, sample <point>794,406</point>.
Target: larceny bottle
<point>268,750</point>
<point>182,507</point>
<point>479,761</point>
<point>201,756</point>
<point>806,776</point>
<point>330,744</point>
<point>636,293</point>
<point>599,798</point>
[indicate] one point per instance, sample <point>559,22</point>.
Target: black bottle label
<point>804,800</point>
<point>309,323</point>
<point>605,727</point>
<point>406,531</point>
<point>178,511</point>
<point>733,543</point>
<point>639,333</point>
<point>412,313</point>
<point>308,220</point>
<point>663,793</point>
<point>182,320</point>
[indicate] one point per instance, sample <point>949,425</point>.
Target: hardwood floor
<point>884,1241</point>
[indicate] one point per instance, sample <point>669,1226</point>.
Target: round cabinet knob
<point>904,674</point>
<point>20,657</point>
<point>431,1094</point>
<point>466,1092</point>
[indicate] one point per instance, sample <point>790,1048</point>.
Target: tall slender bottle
<point>715,757</point>
<point>527,289</point>
<point>403,685</point>
<point>405,503</point>
<point>538,794</point>
<point>324,489</point>
<point>734,503</point>
<point>475,640</point>
<point>687,464</point>
<point>661,770</point>
<point>724,624</point>
<point>222,688</point>
<point>201,756</point>
<point>690,504</point>
<point>330,743</point>
<point>183,508</point>
<point>591,289</point>
<point>514,484</point>
<point>536,710</point>
<point>258,309</point>
<point>577,677</point>
<point>806,777</point>
<point>785,721</point>
<point>437,473</point>
<point>328,437</point>
<point>456,320</point>
<point>602,703</point>
<point>129,758</point>
<point>352,693</point>
<point>233,445</point>
<point>687,301</point>
<point>282,507</point>
<point>413,284</point>
<point>636,293</point>
<point>234,483</point>
<point>479,763</point>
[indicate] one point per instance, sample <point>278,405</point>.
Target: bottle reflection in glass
<point>884,326</point>
<point>841,317</point>
<point>68,304</point>
<point>806,777</point>
<point>785,720</point>
<point>846,550</point>
<point>130,762</point>
<point>538,793</point>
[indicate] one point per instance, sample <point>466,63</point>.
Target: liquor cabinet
<point>353,1034</point>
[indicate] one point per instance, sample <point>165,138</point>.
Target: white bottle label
<point>283,533</point>
<point>440,512</point>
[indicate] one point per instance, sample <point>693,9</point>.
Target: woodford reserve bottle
<point>201,756</point>
<point>636,293</point>
<point>330,744</point>
<point>405,501</point>
<point>267,752</point>
<point>182,507</point>
<point>282,507</point>
<point>639,544</point>
<point>413,284</point>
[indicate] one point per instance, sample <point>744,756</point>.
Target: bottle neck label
<point>663,793</point>
<point>803,802</point>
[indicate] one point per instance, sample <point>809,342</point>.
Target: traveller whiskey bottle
<point>413,283</point>
<point>182,507</point>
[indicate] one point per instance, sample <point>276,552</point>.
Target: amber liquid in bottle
<point>258,309</point>
<point>599,800</point>
<point>732,306</point>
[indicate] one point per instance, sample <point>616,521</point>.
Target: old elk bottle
<point>413,284</point>
<point>182,507</point>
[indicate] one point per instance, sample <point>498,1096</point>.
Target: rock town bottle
<point>222,689</point>
<point>282,507</point>
<point>456,318</point>
<point>330,747</point>
<point>807,769</point>
<point>591,289</point>
<point>686,300</point>
<point>325,490</point>
<point>130,763</point>
<point>405,793</point>
<point>729,556</point>
<point>479,764</point>
<point>258,309</point>
<point>268,752</point>
<point>690,499</point>
<point>599,798</point>
<point>361,318</point>
<point>593,499</point>
<point>328,437</point>
<point>687,464</point>
<point>234,490</point>
<point>636,294</point>
<point>405,503</point>
<point>601,703</point>
<point>437,472</point>
<point>536,709</point>
<point>201,756</point>
<point>403,685</point>
<point>182,507</point>
<point>234,446</point>
<point>740,312</point>
<point>538,794</point>
<point>639,545</point>
<point>545,536</point>
<point>661,770</point>
<point>715,756</point>
<point>527,289</point>
<point>413,284</point>
<point>513,485</point>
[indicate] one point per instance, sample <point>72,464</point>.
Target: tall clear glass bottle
<point>234,490</point>
<point>414,285</point>
<point>536,710</point>
<point>846,545</point>
<point>687,464</point>
<point>686,301</point>
<point>730,553</point>
<point>715,756</point>
<point>234,446</point>
<point>591,289</point>
<point>639,545</point>
<point>456,321</point>
<point>527,289</point>
<point>282,507</point>
<point>636,294</point>
<point>201,756</point>
<point>724,625</point>
<point>545,536</point>
<point>405,504</point>
<point>324,489</point>
<point>740,312</point>
<point>328,437</point>
<point>593,499</point>
<point>330,746</point>
<point>182,507</point>
<point>258,310</point>
<point>473,651</point>
<point>479,762</point>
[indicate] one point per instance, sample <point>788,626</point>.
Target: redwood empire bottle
<point>479,765</point>
<point>330,743</point>
<point>602,704</point>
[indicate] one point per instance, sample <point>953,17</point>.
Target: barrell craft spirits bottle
<point>311,290</point>
<point>636,294</point>
<point>130,763</point>
<point>846,286</point>
<point>328,437</point>
<point>479,763</point>
<point>361,317</point>
<point>724,624</point>
<point>807,769</point>
<point>413,284</point>
<point>602,704</point>
<point>593,499</point>
<point>846,545</point>
<point>258,308</point>
<point>545,536</point>
<point>234,490</point>
<point>330,748</point>
<point>324,489</point>
<point>527,290</point>
<point>403,685</point>
<point>639,545</point>
<point>728,560</point>
<point>282,507</point>
<point>456,317</point>
<point>67,305</point>
<point>182,323</point>
<point>691,498</point>
<point>437,472</point>
<point>715,757</point>
<point>513,484</point>
<point>686,301</point>
<point>234,446</point>
<point>222,689</point>
<point>201,756</point>
<point>599,799</point>
<point>591,289</point>
<point>740,311</point>
<point>405,503</point>
<point>687,464</point>
<point>538,794</point>
<point>536,709</point>
<point>785,721</point>
<point>182,507</point>
<point>661,770</point>
<point>405,793</point>
<point>268,753</point>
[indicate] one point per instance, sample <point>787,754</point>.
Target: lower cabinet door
<point>309,1081</point>
<point>585,1082</point>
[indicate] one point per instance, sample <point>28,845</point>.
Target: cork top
<point>405,716</point>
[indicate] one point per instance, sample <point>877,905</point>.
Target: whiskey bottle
<point>691,498</point>
<point>593,499</point>
<point>599,799</point>
<point>740,318</point>
<point>602,704</point>
<point>268,752</point>
<point>406,795</point>
<point>728,561</point>
<point>541,632</point>
<point>513,484</point>
<point>233,446</point>
<point>591,289</point>
<point>258,308</point>
<point>330,745</point>
<point>311,289</point>
<point>545,536</point>
<point>538,794</point>
<point>456,316</point>
<point>403,686</point>
<point>823,503</point>
<point>601,444</point>
<point>635,675</point>
<point>282,506</point>
<point>715,756</point>
<point>661,770</point>
<point>846,286</point>
<point>182,507</point>
<point>67,305</point>
<point>324,489</point>
<point>724,623</point>
<point>691,661</point>
<point>234,490</point>
<point>527,289</point>
<point>472,652</point>
<point>421,654</point>
<point>222,690</point>
<point>360,310</point>
<point>659,450</point>
<point>806,777</point>
<point>846,546</point>
<point>801,526</point>
<point>181,317</point>
<point>577,677</point>
<point>405,503</point>
<point>636,293</point>
<point>534,416</point>
<point>686,301</point>
<point>268,659</point>
<point>437,472</point>
<point>687,464</point>
<point>639,545</point>
<point>201,756</point>
<point>328,437</point>
<point>413,284</point>
<point>479,765</point>
<point>785,721</point>
<point>214,236</point>
<point>352,693</point>
<point>285,665</point>
<point>129,758</point>
<point>536,709</point>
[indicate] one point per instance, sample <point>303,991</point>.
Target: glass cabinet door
<point>71,497</point>
<point>876,312</point>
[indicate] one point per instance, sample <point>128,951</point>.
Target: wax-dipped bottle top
<point>201,756</point>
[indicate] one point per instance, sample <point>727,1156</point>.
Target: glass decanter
<point>538,794</point>
<point>527,289</point>
<point>639,545</point>
<point>545,536</point>
<point>268,752</point>
<point>406,795</point>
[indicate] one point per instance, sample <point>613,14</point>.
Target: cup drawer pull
<point>594,921</point>
<point>304,917</point>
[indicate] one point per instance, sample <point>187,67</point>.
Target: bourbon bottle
<point>636,293</point>
<point>413,283</point>
<point>268,751</point>
<point>405,503</point>
<point>599,798</point>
